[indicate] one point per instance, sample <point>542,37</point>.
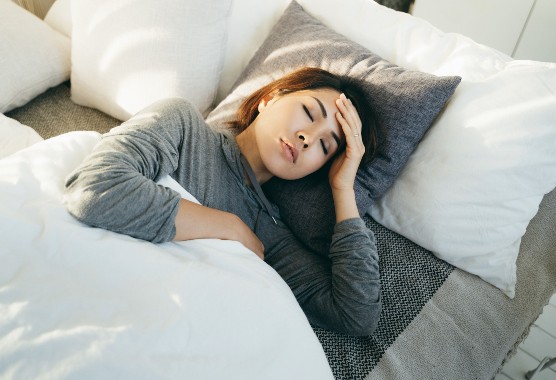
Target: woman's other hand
<point>246,236</point>
<point>195,221</point>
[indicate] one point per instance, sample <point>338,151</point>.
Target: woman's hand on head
<point>344,168</point>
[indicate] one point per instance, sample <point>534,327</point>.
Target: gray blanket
<point>438,322</point>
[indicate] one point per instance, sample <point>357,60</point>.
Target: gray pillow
<point>405,102</point>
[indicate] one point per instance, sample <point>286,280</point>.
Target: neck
<point>247,144</point>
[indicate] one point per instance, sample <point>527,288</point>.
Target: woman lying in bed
<point>289,128</point>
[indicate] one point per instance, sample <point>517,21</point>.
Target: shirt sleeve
<point>115,188</point>
<point>341,292</point>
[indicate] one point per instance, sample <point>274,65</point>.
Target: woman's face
<point>297,133</point>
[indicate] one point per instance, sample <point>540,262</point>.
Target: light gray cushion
<point>406,103</point>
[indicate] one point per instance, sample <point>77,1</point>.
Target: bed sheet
<point>80,302</point>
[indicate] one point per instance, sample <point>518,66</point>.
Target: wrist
<point>343,191</point>
<point>344,204</point>
<point>195,221</point>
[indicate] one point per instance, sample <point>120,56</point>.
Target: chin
<point>285,173</point>
<point>290,176</point>
<point>285,170</point>
<point>280,174</point>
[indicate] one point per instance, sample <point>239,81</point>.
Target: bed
<point>466,227</point>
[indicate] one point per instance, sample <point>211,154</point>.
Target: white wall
<point>523,29</point>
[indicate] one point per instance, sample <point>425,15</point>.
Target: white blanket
<point>80,302</point>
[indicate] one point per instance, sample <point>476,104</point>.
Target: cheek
<point>316,160</point>
<point>311,163</point>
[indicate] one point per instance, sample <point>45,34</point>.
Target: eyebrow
<point>321,107</point>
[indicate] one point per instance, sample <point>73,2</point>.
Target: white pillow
<point>15,136</point>
<point>249,25</point>
<point>59,17</point>
<point>128,54</point>
<point>33,56</point>
<point>476,180</point>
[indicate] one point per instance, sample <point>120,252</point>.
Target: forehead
<point>324,97</point>
<point>324,94</point>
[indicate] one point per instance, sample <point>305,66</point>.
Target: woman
<point>289,128</point>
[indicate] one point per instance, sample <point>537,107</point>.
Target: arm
<point>355,283</point>
<point>115,189</point>
<point>354,288</point>
<point>195,221</point>
<point>344,169</point>
<point>339,293</point>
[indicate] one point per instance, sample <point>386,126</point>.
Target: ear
<point>266,101</point>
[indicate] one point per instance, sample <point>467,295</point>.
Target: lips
<point>289,150</point>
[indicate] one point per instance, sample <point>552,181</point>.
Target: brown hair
<point>311,78</point>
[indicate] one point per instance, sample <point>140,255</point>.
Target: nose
<point>303,137</point>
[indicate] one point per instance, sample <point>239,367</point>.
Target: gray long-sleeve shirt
<point>115,188</point>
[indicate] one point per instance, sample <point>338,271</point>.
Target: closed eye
<point>308,113</point>
<point>323,147</point>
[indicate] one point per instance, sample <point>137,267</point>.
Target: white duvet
<point>79,303</point>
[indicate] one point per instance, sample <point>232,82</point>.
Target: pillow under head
<point>405,102</point>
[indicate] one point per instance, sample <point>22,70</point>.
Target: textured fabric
<point>128,54</point>
<point>406,103</point>
<point>53,113</point>
<point>33,56</point>
<point>468,327</point>
<point>410,276</point>
<point>438,319</point>
<point>115,188</point>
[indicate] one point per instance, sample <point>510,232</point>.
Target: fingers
<point>350,122</point>
<point>349,113</point>
<point>344,169</point>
